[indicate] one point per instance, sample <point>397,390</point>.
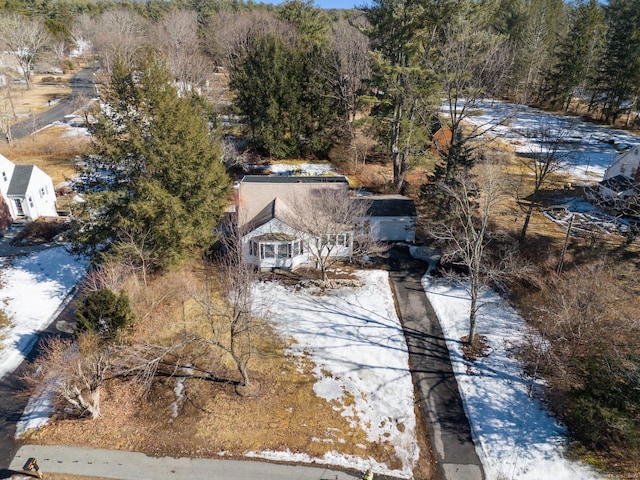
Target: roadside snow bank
<point>32,288</point>
<point>515,436</point>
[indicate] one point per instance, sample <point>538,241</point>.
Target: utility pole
<point>564,246</point>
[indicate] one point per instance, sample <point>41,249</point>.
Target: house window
<point>340,239</point>
<point>30,201</point>
<point>42,192</point>
<point>4,176</point>
<point>267,250</point>
<point>284,250</point>
<point>253,248</point>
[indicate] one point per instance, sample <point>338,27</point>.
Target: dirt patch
<point>478,349</point>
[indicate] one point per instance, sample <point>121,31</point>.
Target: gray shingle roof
<point>274,209</point>
<point>20,180</point>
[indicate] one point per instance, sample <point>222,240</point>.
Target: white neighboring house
<point>266,205</point>
<point>27,191</point>
<point>622,179</point>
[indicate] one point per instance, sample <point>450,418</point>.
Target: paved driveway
<point>432,373</point>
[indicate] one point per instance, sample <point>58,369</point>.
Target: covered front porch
<point>277,250</point>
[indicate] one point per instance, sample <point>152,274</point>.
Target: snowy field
<point>354,337</point>
<point>32,289</point>
<point>515,436</point>
<point>591,148</point>
<point>288,169</point>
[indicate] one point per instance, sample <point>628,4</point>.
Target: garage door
<point>392,230</point>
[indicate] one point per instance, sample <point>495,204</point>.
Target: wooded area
<point>193,87</point>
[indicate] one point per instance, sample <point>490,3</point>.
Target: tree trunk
<point>95,404</point>
<point>472,314</point>
<point>527,218</point>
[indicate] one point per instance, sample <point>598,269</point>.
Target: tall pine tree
<point>575,67</point>
<point>620,68</point>
<point>155,179</point>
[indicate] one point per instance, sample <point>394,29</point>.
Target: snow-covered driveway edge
<point>515,436</point>
<point>33,290</point>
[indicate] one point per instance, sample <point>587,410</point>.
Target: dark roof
<point>619,183</point>
<point>276,208</point>
<point>20,180</point>
<point>294,179</point>
<point>390,206</point>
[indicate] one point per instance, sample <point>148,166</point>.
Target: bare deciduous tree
<point>177,37</point>
<point>119,34</point>
<point>82,32</point>
<point>25,39</point>
<point>335,227</point>
<point>586,349</point>
<point>7,113</point>
<point>352,64</point>
<point>232,34</point>
<point>465,236</point>
<point>361,146</point>
<point>546,157</point>
<point>471,63</point>
<point>74,371</point>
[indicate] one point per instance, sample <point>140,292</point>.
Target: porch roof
<point>275,237</point>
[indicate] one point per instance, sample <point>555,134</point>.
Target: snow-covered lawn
<point>32,289</point>
<point>515,436</point>
<point>592,147</point>
<point>355,339</point>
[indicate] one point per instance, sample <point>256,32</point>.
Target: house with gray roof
<point>27,191</point>
<point>266,210</point>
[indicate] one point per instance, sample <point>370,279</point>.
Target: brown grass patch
<point>49,151</point>
<point>284,414</point>
<point>26,102</point>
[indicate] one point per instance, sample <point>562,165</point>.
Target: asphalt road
<point>123,465</point>
<point>82,87</point>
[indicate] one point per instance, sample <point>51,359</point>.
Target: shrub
<point>588,356</point>
<point>105,313</point>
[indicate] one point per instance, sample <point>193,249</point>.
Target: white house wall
<point>41,196</point>
<point>274,226</point>
<point>625,164</point>
<point>393,229</point>
<point>6,172</point>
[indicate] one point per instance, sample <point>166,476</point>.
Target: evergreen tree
<point>104,313</point>
<point>578,56</point>
<point>402,34</point>
<point>620,68</point>
<point>312,23</point>
<point>533,28</point>
<point>287,106</point>
<point>155,177</point>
